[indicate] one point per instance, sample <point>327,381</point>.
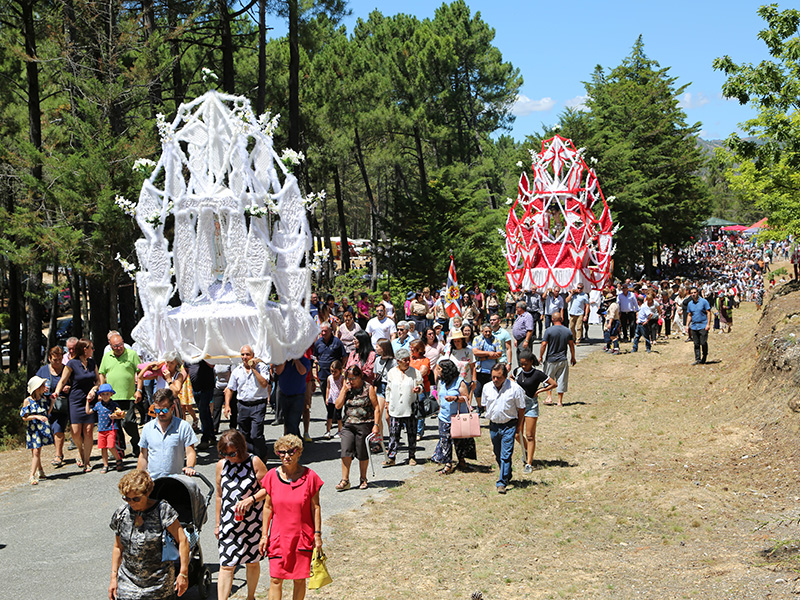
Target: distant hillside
<point>708,146</point>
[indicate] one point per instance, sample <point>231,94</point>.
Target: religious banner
<point>452,305</point>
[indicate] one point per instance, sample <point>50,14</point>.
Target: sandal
<point>58,461</point>
<point>34,480</point>
<point>344,484</point>
<point>104,469</point>
<point>42,474</point>
<point>87,469</point>
<point>79,463</point>
<point>448,469</point>
<point>119,465</point>
<point>389,462</point>
<point>363,485</point>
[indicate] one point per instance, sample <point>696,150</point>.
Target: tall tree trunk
<point>99,317</point>
<point>226,47</point>
<point>35,314</point>
<point>261,92</point>
<point>326,233</point>
<point>175,52</point>
<point>154,88</point>
<point>344,244</point>
<point>373,209</point>
<point>294,76</point>
<point>14,315</point>
<point>75,295</point>
<point>127,310</point>
<point>87,306</point>
<point>423,175</point>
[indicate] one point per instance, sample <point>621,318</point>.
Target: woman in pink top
<point>292,524</point>
<point>363,356</point>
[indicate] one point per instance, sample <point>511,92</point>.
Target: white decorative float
<point>238,231</point>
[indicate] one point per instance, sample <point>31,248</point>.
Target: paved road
<point>55,543</point>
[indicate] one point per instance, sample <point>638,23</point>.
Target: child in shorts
<point>335,382</point>
<point>107,413</point>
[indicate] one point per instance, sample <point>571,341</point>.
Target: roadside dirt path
<point>654,478</point>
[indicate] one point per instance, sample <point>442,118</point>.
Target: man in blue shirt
<point>327,348</point>
<point>292,392</point>
<point>699,311</point>
<point>488,351</point>
<point>166,441</point>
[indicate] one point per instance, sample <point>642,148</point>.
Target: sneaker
<point>307,438</point>
<point>337,434</point>
<point>327,435</point>
<point>528,469</point>
<point>501,489</point>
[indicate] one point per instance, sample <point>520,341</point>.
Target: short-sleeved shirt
<point>530,381</point>
<point>503,405</point>
<point>166,450</point>
<point>398,343</point>
<point>103,411</point>
<point>327,352</point>
<point>698,311</point>
<point>202,376</point>
<point>484,365</point>
<point>417,364</point>
<point>290,382</point>
<point>245,384</point>
<point>522,325</point>
<point>378,329</point>
<point>577,305</point>
<point>504,337</point>
<point>120,372</point>
<point>557,338</point>
<point>552,304</point>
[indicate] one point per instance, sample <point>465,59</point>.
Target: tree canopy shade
<point>765,167</point>
<point>647,156</point>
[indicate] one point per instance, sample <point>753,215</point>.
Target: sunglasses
<point>132,499</point>
<point>228,454</point>
<point>289,452</point>
<point>161,411</point>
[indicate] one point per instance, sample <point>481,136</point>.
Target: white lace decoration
<point>240,238</point>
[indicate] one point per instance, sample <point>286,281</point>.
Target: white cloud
<point>689,100</point>
<point>525,106</point>
<point>578,102</point>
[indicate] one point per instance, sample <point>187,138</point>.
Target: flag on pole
<point>451,298</point>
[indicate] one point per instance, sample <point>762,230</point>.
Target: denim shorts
<point>532,407</point>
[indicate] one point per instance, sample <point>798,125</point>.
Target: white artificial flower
<point>593,160</point>
<point>520,164</point>
<point>611,199</point>
<point>555,127</point>
<point>509,201</point>
<point>128,207</point>
<point>292,157</point>
<point>209,74</point>
<point>143,165</point>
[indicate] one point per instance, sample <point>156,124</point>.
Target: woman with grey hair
<point>403,384</point>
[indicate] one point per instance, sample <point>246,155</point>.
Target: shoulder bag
<point>465,425</point>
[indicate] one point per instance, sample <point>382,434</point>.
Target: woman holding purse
<point>453,398</point>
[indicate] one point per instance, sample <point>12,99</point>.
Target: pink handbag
<point>465,425</point>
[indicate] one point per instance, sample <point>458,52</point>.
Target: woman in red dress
<point>292,525</point>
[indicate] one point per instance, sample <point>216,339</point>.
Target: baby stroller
<point>183,493</point>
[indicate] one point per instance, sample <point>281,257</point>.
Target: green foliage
<point>12,393</point>
<point>648,158</point>
<point>765,168</point>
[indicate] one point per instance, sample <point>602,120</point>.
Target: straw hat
<point>35,382</point>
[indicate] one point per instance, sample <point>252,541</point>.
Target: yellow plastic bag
<point>319,572</point>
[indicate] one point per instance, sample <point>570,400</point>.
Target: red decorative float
<point>559,240</point>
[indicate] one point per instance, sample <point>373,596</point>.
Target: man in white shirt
<point>628,305</point>
<point>504,404</point>
<point>553,302</point>
<point>380,326</point>
<point>250,381</point>
<point>578,303</point>
<point>645,317</point>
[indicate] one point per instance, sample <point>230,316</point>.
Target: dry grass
<point>654,480</point>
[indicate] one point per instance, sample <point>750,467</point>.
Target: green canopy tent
<point>717,222</point>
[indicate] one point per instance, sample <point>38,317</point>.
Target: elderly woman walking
<point>403,386</point>
<point>292,521</point>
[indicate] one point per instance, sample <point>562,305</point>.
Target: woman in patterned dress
<point>37,433</point>
<point>137,571</point>
<point>240,501</point>
<point>292,519</point>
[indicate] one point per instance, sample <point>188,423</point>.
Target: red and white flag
<point>452,306</point>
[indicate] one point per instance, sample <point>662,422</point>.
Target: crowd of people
<point>380,369</point>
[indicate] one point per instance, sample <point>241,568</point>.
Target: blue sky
<point>556,46</point>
